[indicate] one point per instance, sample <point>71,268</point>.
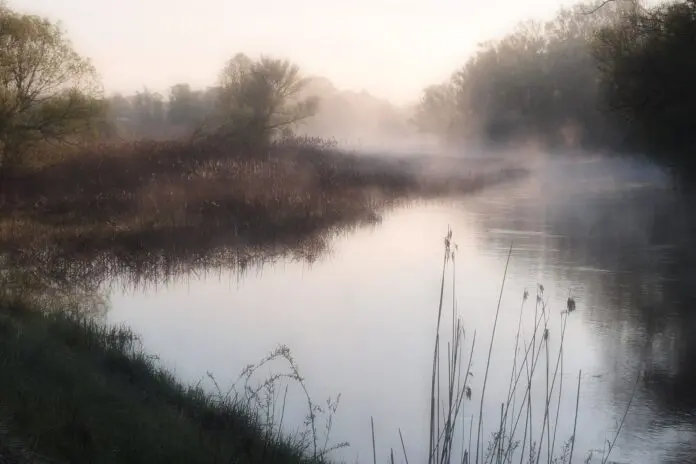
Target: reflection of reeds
<point>146,212</point>
<point>53,266</point>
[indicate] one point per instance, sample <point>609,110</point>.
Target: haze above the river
<point>390,48</point>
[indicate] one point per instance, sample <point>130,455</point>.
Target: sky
<point>390,48</point>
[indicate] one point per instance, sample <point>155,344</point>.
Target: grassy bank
<point>73,391</point>
<point>166,195</point>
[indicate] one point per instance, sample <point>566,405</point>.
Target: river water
<point>360,319</point>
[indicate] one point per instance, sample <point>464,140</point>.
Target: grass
<point>152,205</point>
<point>75,391</point>
<point>163,196</point>
<point>148,211</point>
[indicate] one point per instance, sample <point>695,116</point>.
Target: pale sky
<point>390,48</point>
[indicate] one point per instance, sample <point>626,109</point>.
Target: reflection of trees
<point>646,303</point>
<point>637,242</point>
<point>643,239</point>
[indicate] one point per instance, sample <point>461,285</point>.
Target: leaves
<point>648,68</point>
<point>437,110</point>
<point>539,80</point>
<point>47,91</point>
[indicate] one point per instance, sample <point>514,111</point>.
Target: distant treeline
<point>50,95</point>
<point>614,74</point>
<point>183,109</point>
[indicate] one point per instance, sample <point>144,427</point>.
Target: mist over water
<point>360,319</point>
<point>247,202</point>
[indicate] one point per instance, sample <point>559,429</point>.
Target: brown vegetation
<point>157,195</point>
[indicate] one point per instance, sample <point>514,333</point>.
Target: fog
<point>224,176</point>
<point>392,77</point>
<point>390,48</point>
<point>368,63</point>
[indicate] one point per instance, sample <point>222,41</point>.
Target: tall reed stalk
<point>537,369</point>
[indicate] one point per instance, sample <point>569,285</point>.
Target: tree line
<point>49,94</point>
<point>253,99</point>
<point>183,110</point>
<point>615,74</point>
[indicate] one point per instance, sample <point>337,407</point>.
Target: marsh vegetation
<point>139,192</point>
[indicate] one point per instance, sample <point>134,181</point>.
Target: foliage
<point>437,110</point>
<point>611,74</point>
<point>188,107</point>
<point>149,106</point>
<point>343,114</point>
<point>540,80</point>
<point>47,90</point>
<point>648,69</point>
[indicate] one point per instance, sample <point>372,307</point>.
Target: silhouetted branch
<point>598,7</point>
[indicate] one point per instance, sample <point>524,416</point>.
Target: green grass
<point>75,391</point>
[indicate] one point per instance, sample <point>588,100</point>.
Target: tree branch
<point>598,7</point>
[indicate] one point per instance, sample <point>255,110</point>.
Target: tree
<point>436,112</point>
<point>259,99</point>
<point>148,108</point>
<point>184,105</point>
<point>540,80</point>
<point>47,90</point>
<point>648,69</point>
<point>119,106</point>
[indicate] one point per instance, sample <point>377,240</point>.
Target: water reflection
<point>611,232</point>
<point>40,268</point>
<point>82,279</point>
<point>26,279</point>
<point>630,247</point>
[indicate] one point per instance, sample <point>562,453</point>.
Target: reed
<point>163,195</point>
<point>525,431</point>
<point>74,390</point>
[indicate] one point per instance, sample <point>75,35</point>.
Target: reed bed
<point>163,195</point>
<point>523,431</point>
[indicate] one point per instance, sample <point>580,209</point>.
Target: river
<point>360,318</point>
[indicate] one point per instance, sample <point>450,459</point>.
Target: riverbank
<point>75,391</point>
<point>168,195</point>
<point>99,388</point>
